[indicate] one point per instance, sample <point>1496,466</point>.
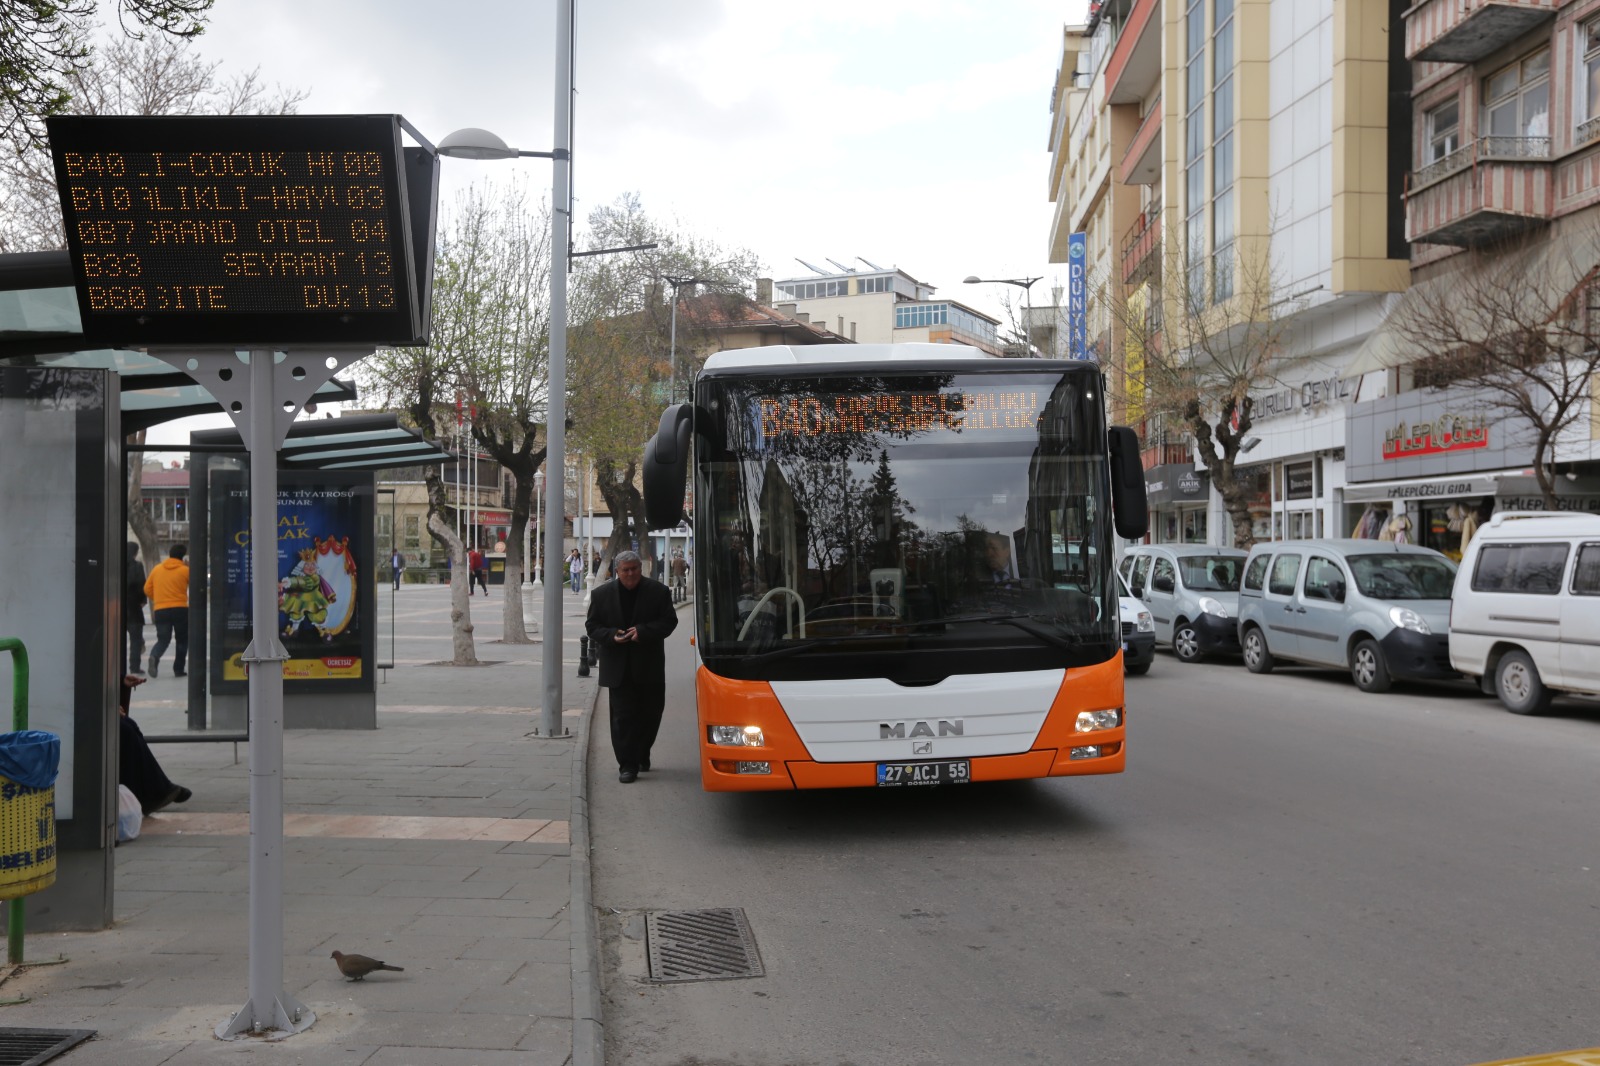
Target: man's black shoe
<point>627,777</point>
<point>179,673</point>
<point>644,767</point>
<point>153,663</point>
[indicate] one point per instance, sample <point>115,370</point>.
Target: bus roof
<point>814,354</point>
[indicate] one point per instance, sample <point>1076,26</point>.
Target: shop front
<point>1429,467</point>
<point>1179,496</point>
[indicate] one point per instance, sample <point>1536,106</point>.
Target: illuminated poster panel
<point>325,580</point>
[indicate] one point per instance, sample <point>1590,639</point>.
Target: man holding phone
<point>629,621</point>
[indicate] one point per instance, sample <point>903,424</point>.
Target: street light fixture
<point>672,344</point>
<point>473,143</point>
<point>1026,285</point>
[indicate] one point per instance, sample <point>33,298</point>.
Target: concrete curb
<point>588,1023</point>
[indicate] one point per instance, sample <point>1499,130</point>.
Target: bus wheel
<point>1367,668</point>
<point>1256,656</point>
<point>1517,681</point>
<point>1186,643</point>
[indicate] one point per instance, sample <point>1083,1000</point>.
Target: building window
<point>1222,113</point>
<point>382,528</point>
<point>1194,138</point>
<point>1444,131</point>
<point>413,531</point>
<point>1591,76</point>
<point>878,284</point>
<point>1516,110</point>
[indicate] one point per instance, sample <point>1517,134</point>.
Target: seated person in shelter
<point>136,763</point>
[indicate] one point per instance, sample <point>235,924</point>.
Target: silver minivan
<point>1192,593</point>
<point>1379,609</point>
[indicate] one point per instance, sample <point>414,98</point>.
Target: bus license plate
<point>902,774</point>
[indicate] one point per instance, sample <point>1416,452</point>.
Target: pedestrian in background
<point>168,589</point>
<point>397,565</point>
<point>133,601</point>
<point>476,572</point>
<point>629,621</point>
<point>575,569</point>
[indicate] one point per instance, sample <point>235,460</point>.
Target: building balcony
<point>1465,31</point>
<point>1135,62</point>
<point>1141,246</point>
<point>1141,163</point>
<point>1493,189</point>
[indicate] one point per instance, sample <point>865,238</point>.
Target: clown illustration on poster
<point>322,566</point>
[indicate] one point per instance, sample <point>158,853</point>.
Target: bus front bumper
<point>718,774</point>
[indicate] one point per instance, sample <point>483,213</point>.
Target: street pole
<point>561,246</point>
<point>538,508</point>
<point>672,348</point>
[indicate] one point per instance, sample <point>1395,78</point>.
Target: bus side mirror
<point>666,468</point>
<point>1129,509</point>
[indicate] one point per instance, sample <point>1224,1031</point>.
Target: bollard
<point>583,656</point>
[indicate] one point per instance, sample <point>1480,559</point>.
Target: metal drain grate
<point>31,1047</point>
<point>707,945</point>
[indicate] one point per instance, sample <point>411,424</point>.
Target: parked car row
<point>1521,614</point>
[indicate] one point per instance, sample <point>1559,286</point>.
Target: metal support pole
<point>560,250</point>
<point>672,349</point>
<point>538,509</point>
<point>269,1007</point>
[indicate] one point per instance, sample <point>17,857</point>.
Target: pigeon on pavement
<point>357,967</point>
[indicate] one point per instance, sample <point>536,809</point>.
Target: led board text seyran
<point>898,412</point>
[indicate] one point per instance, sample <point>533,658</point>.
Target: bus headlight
<point>1094,721</point>
<point>1212,605</point>
<point>735,736</point>
<point>1406,618</point>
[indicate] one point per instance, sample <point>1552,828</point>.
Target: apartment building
<point>1502,196</point>
<point>883,306</point>
<point>1227,145</point>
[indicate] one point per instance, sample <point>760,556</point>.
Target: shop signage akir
<point>270,229</point>
<point>1447,433</point>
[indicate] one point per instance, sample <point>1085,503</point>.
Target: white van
<point>1525,614</point>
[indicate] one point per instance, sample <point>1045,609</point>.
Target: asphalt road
<point>1290,871</point>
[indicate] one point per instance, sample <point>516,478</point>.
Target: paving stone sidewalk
<point>440,842</point>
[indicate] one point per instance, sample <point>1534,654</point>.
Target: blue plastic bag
<point>30,757</point>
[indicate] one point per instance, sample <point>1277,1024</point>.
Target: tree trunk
<point>1545,472</point>
<point>139,520</point>
<point>463,652</point>
<point>516,631</point>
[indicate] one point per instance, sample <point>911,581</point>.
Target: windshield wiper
<point>1021,621</point>
<point>810,644</point>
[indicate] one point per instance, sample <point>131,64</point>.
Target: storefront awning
<point>1543,277</point>
<point>1451,487</point>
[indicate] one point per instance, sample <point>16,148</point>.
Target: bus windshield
<point>903,525</point>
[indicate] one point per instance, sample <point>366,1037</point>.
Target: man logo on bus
<point>897,730</point>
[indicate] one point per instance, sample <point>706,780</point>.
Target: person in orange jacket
<point>168,589</point>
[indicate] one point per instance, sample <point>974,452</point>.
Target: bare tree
<point>150,75</point>
<point>621,343</point>
<point>1522,326</point>
<point>1190,345</point>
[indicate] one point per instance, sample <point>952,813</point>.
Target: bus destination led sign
<point>972,410</point>
<point>260,229</point>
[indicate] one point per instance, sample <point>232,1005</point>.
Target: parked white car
<point>1138,632</point>
<point>1525,614</point>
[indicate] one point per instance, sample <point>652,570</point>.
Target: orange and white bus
<point>903,564</point>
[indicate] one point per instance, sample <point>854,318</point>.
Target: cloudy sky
<point>909,133</point>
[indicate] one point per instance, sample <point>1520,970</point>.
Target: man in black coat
<point>629,621</point>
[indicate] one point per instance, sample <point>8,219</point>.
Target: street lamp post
<point>672,343</point>
<point>538,503</point>
<point>1026,285</point>
<point>481,144</point>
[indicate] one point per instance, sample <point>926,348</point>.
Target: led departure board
<point>973,410</point>
<point>270,230</point>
